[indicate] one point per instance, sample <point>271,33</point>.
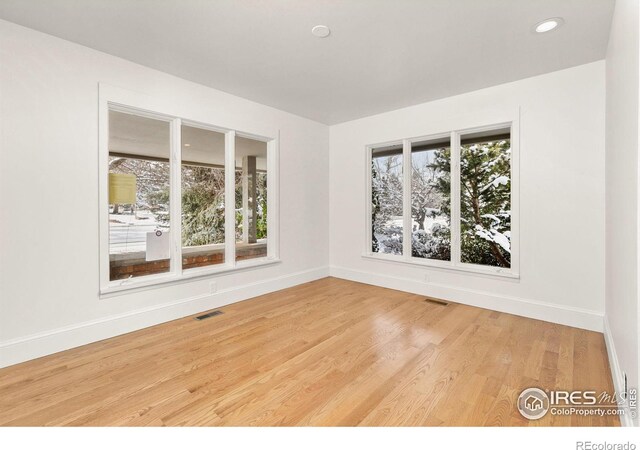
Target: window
<point>454,208</point>
<point>485,198</point>
<point>430,199</point>
<point>251,198</point>
<point>203,192</point>
<point>139,229</point>
<point>386,196</point>
<point>181,199</point>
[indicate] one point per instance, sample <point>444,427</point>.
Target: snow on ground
<point>398,222</point>
<point>128,232</point>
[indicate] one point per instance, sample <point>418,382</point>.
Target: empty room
<point>321,214</point>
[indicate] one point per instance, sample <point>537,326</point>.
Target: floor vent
<point>207,315</point>
<point>436,301</point>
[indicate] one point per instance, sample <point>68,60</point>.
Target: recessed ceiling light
<point>548,24</point>
<point>187,145</point>
<point>321,31</point>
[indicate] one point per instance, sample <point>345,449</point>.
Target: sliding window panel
<point>431,199</point>
<point>387,200</point>
<point>139,190</point>
<point>251,198</point>
<point>485,198</point>
<point>203,197</point>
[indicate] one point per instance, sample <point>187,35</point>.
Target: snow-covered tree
<point>386,193</point>
<point>424,192</point>
<point>485,201</point>
<point>430,178</point>
<point>202,205</point>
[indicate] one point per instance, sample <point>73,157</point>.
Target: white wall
<point>49,197</point>
<point>561,197</point>
<point>622,192</point>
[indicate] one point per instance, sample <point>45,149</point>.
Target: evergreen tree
<point>485,201</point>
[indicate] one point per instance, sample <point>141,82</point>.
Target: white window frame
<point>455,264</point>
<point>116,99</point>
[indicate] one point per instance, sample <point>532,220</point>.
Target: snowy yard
<point>128,232</point>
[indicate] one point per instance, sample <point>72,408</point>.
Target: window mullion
<point>455,198</point>
<point>230,198</point>
<point>175,196</point>
<point>406,198</point>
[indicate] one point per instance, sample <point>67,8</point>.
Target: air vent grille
<point>209,314</point>
<point>435,301</point>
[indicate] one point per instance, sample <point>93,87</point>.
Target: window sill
<point>445,265</point>
<point>121,287</point>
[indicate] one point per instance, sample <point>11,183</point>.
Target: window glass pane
<point>139,223</point>
<point>251,199</point>
<point>386,200</point>
<point>485,198</point>
<point>202,197</point>
<point>431,199</point>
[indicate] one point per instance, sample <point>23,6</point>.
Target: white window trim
<point>113,98</point>
<point>455,264</point>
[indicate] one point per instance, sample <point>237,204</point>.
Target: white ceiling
<point>381,55</point>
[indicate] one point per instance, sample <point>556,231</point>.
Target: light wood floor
<point>330,352</point>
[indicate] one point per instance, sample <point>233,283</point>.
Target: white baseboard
<point>616,372</point>
<point>549,312</point>
<point>34,346</point>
